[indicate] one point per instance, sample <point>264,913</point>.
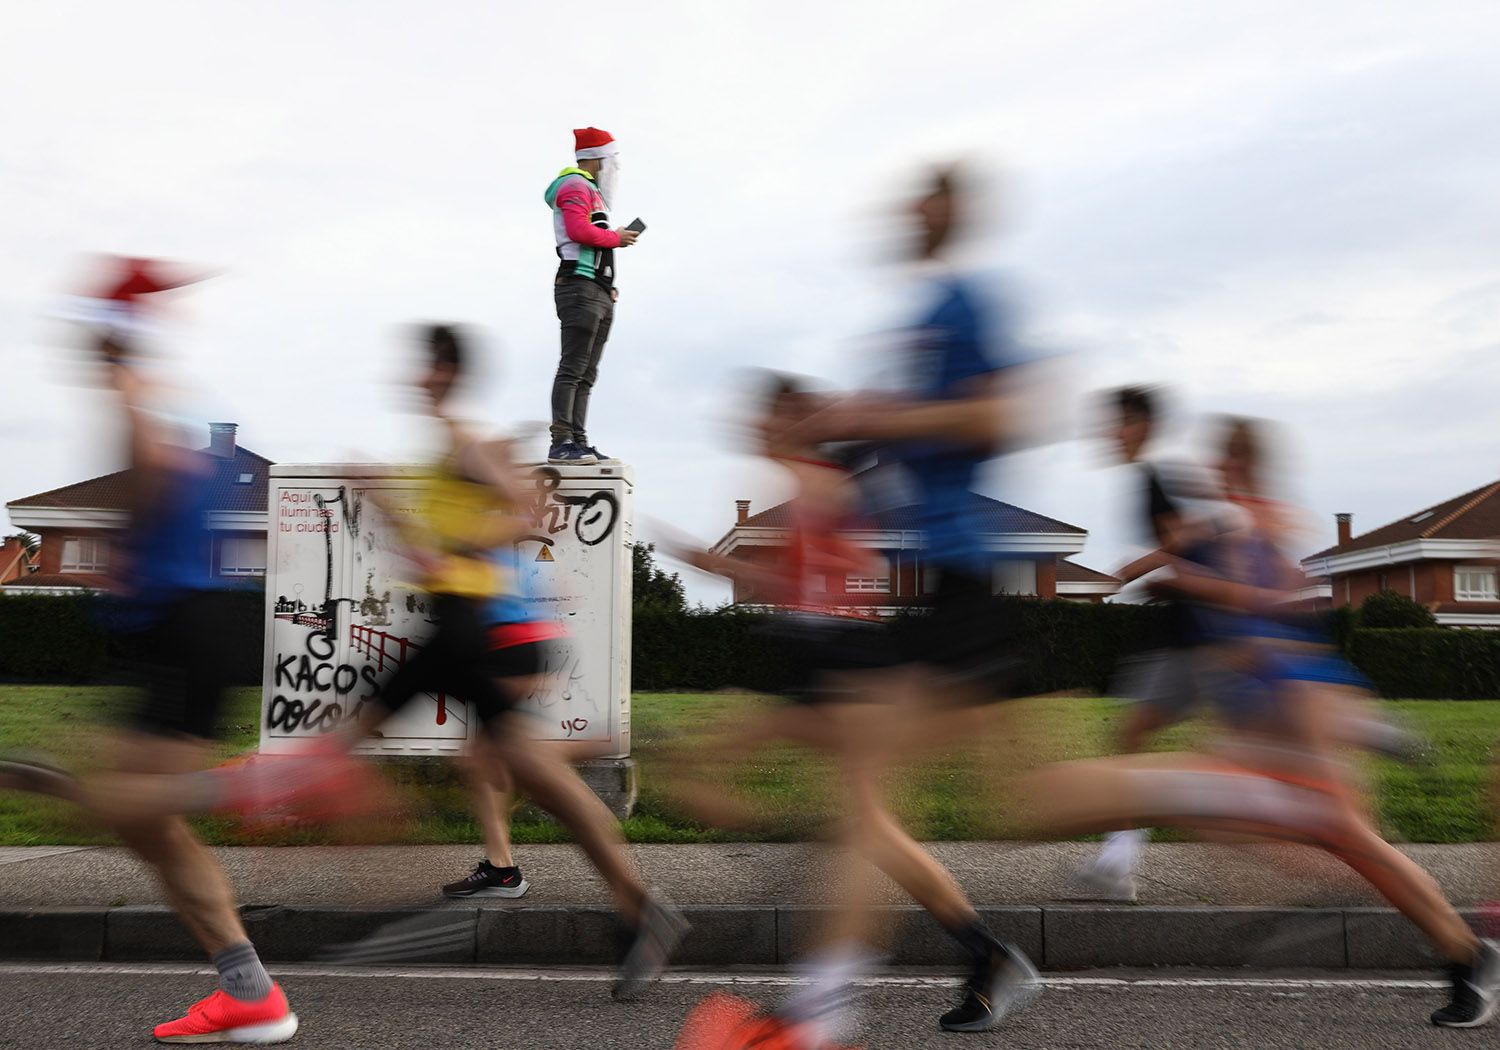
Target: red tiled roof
<point>110,491</point>
<point>998,517</point>
<point>1472,516</point>
<point>61,579</point>
<point>1072,572</point>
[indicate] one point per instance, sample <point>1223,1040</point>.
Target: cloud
<point>1283,207</point>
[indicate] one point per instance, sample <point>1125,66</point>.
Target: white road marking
<point>20,854</point>
<point>469,973</point>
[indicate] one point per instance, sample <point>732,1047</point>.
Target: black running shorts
<point>454,661</point>
<point>516,661</point>
<point>183,665</point>
<point>969,636</point>
<point>819,645</point>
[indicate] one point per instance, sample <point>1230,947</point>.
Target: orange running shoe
<point>320,783</point>
<point>712,1023</point>
<point>726,1022</point>
<point>222,1018</point>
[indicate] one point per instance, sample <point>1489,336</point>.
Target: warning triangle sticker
<point>545,554</point>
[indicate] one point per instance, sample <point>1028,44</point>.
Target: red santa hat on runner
<point>119,298</point>
<point>600,145</point>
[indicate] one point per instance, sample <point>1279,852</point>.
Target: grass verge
<point>946,796</point>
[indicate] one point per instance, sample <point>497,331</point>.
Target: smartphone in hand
<point>636,226</point>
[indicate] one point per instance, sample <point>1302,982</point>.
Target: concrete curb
<point>1057,937</point>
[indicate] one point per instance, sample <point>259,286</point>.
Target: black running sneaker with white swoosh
<point>486,880</point>
<point>1476,991</point>
<point>1003,982</point>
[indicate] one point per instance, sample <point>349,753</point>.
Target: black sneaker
<point>662,927</point>
<point>598,456</point>
<point>1003,982</point>
<point>569,452</point>
<point>1476,991</point>
<point>486,880</point>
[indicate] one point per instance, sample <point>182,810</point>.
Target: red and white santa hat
<point>119,297</point>
<point>592,143</point>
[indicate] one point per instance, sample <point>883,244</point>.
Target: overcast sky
<point>1286,209</point>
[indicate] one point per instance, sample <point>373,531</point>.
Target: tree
<point>1392,609</point>
<point>655,588</point>
<point>31,542</point>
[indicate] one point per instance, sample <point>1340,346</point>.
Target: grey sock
<point>240,973</point>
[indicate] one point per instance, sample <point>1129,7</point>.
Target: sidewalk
<point>753,903</point>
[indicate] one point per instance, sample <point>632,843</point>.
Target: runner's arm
<point>723,565</point>
<point>980,417</point>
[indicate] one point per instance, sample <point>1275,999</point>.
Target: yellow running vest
<point>463,521</point>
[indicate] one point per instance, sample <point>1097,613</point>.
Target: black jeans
<point>586,311</point>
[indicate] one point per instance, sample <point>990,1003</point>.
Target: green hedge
<point>693,651</point>
<point>44,637</point>
<point>1428,663</point>
<point>61,638</point>
<point>1073,645</point>
<point>1065,645</point>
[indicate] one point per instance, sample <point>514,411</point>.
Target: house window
<point>242,556</point>
<point>869,584</point>
<point>1474,583</point>
<point>1014,576</point>
<point>81,554</point>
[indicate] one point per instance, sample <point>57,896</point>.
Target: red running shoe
<point>320,783</point>
<point>726,1022</point>
<point>222,1018</point>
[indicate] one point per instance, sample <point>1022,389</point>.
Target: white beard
<point>608,180</point>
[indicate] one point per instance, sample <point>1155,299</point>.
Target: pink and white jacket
<point>580,222</point>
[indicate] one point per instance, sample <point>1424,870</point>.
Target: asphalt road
<point>112,1006</point>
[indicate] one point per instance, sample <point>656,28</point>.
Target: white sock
<point>1121,852</point>
<point>824,1005</point>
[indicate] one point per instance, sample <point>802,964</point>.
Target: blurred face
<point>1131,432</point>
<point>111,349</point>
<point>786,411</point>
<point>437,381</point>
<point>1237,462</point>
<point>934,213</point>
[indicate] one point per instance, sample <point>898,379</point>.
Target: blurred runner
<point>1278,773</point>
<point>1185,511</point>
<point>1165,686</point>
<point>488,649</point>
<point>964,400</point>
<point>172,613</point>
<point>832,652</point>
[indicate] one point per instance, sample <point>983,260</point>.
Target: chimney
<point>741,511</point>
<point>221,439</point>
<point>1344,523</point>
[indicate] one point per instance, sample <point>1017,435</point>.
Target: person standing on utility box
<point>584,289</point>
